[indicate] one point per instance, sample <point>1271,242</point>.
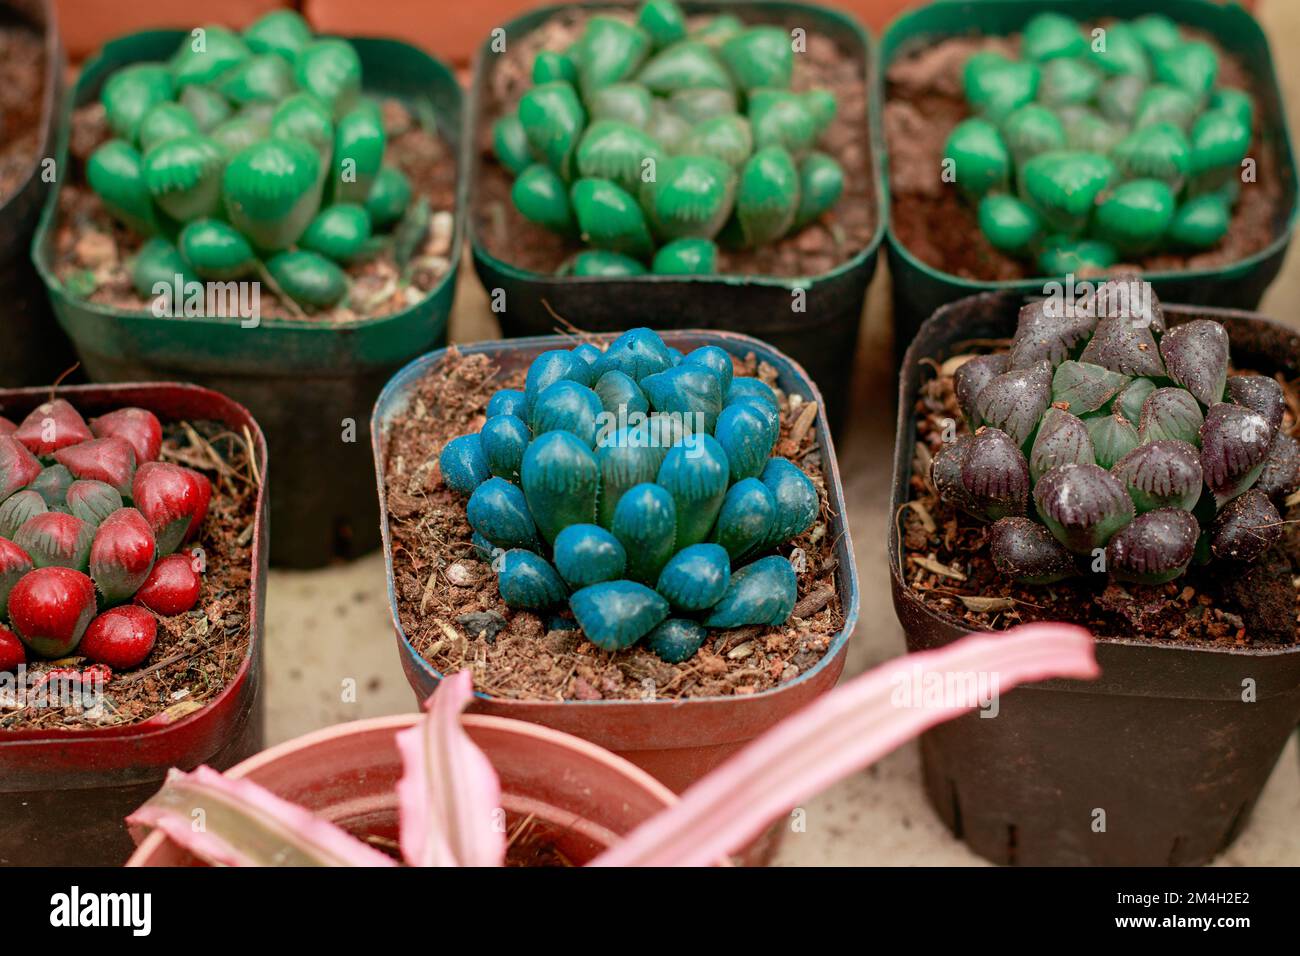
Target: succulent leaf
<point>971,377</point>
<point>1234,443</point>
<point>680,257</point>
<point>690,197</point>
<point>1156,547</point>
<point>503,439</point>
<point>617,614</point>
<point>645,522</point>
<point>1081,387</point>
<point>561,479</point>
<point>1026,552</point>
<point>676,639</point>
<point>610,218</point>
<point>763,592</point>
<point>746,518</point>
<point>1161,474</point>
<point>1016,400</point>
<point>588,554</point>
<point>526,580</point>
<point>1113,436</point>
<point>1170,414</point>
<point>980,157</point>
<point>1125,346</point>
<point>1260,394</point>
<point>1062,439</point>
<point>696,577</point>
<point>995,474</point>
<point>499,512</point>
<point>1245,528</point>
<point>1196,357</point>
<point>1082,505</point>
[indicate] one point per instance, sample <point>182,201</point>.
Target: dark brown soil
<point>523,656</point>
<point>946,564</point>
<point>820,247</point>
<point>92,248</point>
<point>197,653</point>
<point>924,101</point>
<point>22,88</point>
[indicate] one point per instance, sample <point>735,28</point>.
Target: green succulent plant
<point>640,487</point>
<point>1093,149</point>
<point>250,154</point>
<point>1102,431</point>
<point>643,135</point>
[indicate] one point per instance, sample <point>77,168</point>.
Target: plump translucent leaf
<point>1016,400</point>
<point>1162,474</point>
<point>1234,444</point>
<point>1170,414</point>
<point>1062,439</point>
<point>1281,473</point>
<point>1082,387</point>
<point>1025,551</point>
<point>971,377</point>
<point>1082,505</point>
<point>1113,437</point>
<point>1043,333</point>
<point>1154,548</point>
<point>1245,528</point>
<point>945,474</point>
<point>995,474</point>
<point>1124,346</point>
<point>1196,357</point>
<point>1260,394</point>
<point>1131,398</point>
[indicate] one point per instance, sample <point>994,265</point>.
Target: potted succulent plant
<point>1131,467</point>
<point>447,790</point>
<point>570,618</point>
<point>688,166</point>
<point>276,216</point>
<point>1086,138</point>
<point>36,350</point>
<point>132,564</point>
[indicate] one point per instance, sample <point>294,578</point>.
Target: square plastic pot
<point>580,798</point>
<point>676,741</point>
<point>822,338</point>
<point>36,350</point>
<point>311,385</point>
<point>1161,752</point>
<point>64,792</point>
<point>920,289</point>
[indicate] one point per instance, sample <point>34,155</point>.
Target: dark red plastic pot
<point>581,799</point>
<point>36,350</point>
<point>64,793</point>
<point>1162,744</point>
<point>676,741</point>
<point>822,338</point>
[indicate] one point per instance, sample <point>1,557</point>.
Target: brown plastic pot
<point>581,798</point>
<point>36,350</point>
<point>64,793</point>
<point>676,741</point>
<point>1161,751</point>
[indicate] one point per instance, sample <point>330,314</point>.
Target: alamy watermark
<point>1123,298</point>
<point>190,299</point>
<point>940,690</point>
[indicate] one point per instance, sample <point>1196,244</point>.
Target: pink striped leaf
<point>848,729</point>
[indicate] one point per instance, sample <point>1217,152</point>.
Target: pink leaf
<point>227,822</point>
<point>450,796</point>
<point>848,729</point>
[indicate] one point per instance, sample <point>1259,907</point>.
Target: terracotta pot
<point>581,798</point>
<point>89,24</point>
<point>677,741</point>
<point>64,793</point>
<point>36,349</point>
<point>1162,744</point>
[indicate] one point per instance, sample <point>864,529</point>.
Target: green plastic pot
<point>920,289</point>
<point>822,338</point>
<point>311,386</point>
<point>36,350</point>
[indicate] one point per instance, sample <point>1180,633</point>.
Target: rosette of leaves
<point>1098,146</point>
<point>639,487</point>
<point>253,154</point>
<point>1105,438</point>
<point>90,525</point>
<point>643,135</point>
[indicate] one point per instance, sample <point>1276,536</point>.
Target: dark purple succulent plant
<point>1139,452</point>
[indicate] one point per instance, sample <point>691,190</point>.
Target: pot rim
<point>835,496</point>
<point>902,472</point>
<point>51,91</point>
<point>473,160</point>
<point>536,733</point>
<point>1235,17</point>
<point>49,214</point>
<point>156,726</point>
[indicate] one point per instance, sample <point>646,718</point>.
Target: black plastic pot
<point>311,386</point>
<point>919,289</point>
<point>36,350</point>
<point>1161,750</point>
<point>822,337</point>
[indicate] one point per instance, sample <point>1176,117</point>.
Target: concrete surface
<point>329,628</point>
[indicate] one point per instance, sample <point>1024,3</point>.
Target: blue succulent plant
<point>638,485</point>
